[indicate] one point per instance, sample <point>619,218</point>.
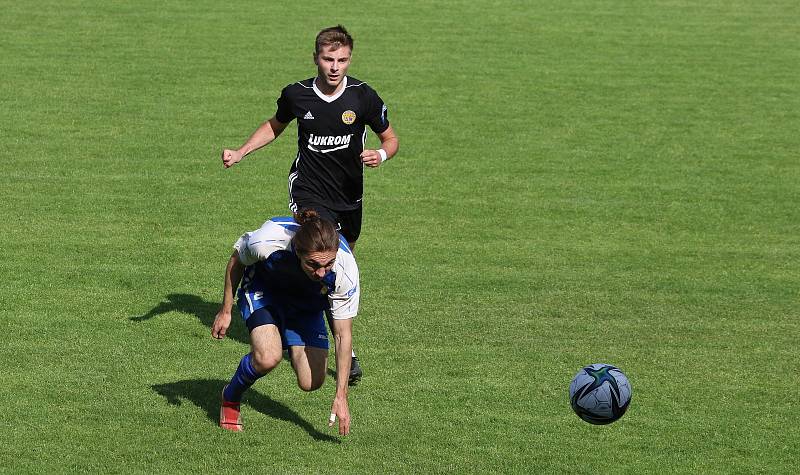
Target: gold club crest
<point>348,117</point>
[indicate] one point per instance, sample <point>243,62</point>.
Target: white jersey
<point>268,253</point>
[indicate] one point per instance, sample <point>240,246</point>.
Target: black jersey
<point>331,133</point>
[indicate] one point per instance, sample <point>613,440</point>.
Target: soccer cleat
<point>229,415</point>
<point>355,372</point>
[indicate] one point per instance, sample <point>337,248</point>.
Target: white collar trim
<point>325,97</point>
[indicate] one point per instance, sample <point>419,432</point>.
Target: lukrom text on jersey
<point>324,140</point>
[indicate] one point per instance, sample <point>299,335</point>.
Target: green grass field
<point>578,182</point>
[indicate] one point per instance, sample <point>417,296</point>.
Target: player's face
<point>332,65</point>
<point>317,264</point>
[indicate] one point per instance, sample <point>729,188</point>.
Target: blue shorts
<point>295,327</point>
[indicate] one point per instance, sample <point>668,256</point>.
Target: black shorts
<point>348,223</point>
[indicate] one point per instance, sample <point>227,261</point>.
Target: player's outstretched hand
<point>230,157</point>
<point>221,323</point>
<point>340,410</point>
<point>371,158</point>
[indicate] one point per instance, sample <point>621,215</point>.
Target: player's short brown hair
<point>336,36</point>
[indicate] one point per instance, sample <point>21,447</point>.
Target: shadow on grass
<point>204,393</point>
<point>204,311</point>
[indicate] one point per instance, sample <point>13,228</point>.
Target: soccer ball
<point>600,393</point>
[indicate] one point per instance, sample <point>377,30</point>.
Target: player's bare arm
<point>265,134</point>
<point>343,339</point>
<point>389,144</point>
<point>233,275</point>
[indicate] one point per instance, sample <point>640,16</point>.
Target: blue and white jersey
<point>273,272</point>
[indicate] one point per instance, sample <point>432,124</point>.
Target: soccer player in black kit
<point>332,112</point>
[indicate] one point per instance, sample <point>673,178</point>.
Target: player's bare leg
<point>309,365</point>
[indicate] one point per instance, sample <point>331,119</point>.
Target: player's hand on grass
<point>340,410</point>
<point>221,323</point>
<point>230,157</point>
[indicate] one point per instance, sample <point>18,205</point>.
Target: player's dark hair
<point>315,234</point>
<point>336,36</point>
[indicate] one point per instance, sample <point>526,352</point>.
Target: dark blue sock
<point>243,378</point>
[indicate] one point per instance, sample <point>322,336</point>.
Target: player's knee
<point>264,362</point>
<point>308,387</point>
<point>311,384</point>
<point>316,384</point>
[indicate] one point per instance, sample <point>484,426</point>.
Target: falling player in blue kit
<point>333,111</point>
<point>291,270</point>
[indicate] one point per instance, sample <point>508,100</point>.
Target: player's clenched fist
<point>230,157</point>
<point>371,158</point>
